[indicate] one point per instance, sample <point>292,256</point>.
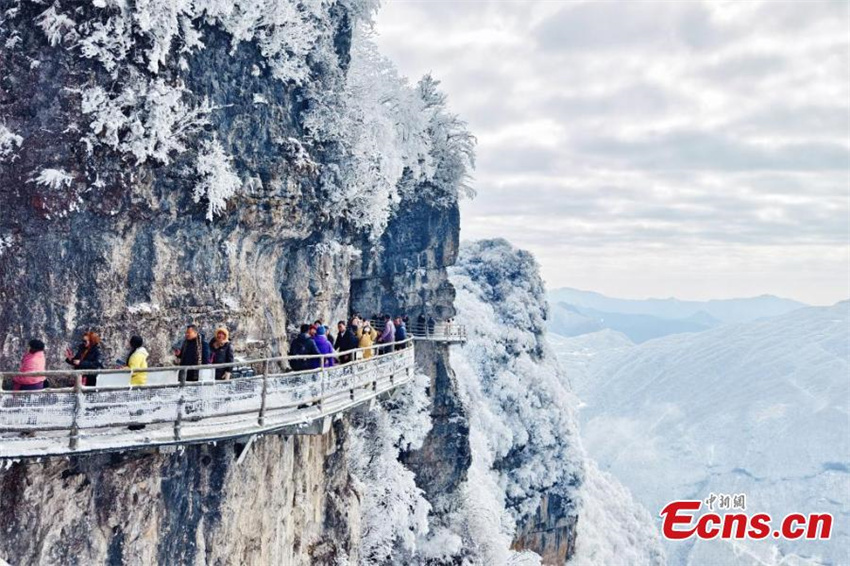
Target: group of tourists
<point>191,350</point>
<point>355,339</point>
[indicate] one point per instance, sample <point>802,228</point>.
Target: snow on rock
<point>381,140</point>
<point>613,528</point>
<point>148,120</point>
<point>395,141</point>
<point>511,378</point>
<point>5,243</point>
<point>9,143</point>
<point>55,25</point>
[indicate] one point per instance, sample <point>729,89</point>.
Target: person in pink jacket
<point>33,360</point>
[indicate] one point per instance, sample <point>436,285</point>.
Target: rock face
<point>551,531</point>
<point>121,247</point>
<point>288,502</point>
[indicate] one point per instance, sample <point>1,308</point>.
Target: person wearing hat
<point>221,352</point>
<point>304,345</point>
<point>324,345</point>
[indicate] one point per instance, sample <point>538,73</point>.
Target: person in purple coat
<point>388,335</point>
<point>324,345</point>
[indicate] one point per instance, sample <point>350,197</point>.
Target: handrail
<point>113,371</point>
<point>82,419</point>
<point>434,331</point>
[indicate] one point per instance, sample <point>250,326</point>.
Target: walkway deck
<point>447,332</point>
<point>79,419</point>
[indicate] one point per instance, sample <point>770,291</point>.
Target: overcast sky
<point>689,149</point>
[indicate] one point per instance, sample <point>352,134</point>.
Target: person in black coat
<point>221,352</point>
<point>346,341</point>
<point>193,352</point>
<point>303,345</point>
<point>89,356</point>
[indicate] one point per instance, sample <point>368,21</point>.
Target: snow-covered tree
<point>147,119</point>
<point>394,512</point>
<point>218,181</point>
<point>371,138</point>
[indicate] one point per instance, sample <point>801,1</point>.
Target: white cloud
<point>652,148</point>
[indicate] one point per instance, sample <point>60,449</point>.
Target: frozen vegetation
<point>523,432</point>
<point>394,512</point>
<point>372,137</point>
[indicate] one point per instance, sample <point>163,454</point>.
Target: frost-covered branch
<point>53,179</point>
<point>10,142</point>
<point>218,181</point>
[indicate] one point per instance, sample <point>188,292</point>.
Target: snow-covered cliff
<point>530,494</point>
<point>254,163</point>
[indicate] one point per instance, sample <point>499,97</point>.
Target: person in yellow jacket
<point>137,359</point>
<point>367,338</point>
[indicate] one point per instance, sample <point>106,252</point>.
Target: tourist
<point>420,324</point>
<point>221,352</point>
<point>388,335</point>
<point>340,332</point>
<point>32,361</point>
<point>324,346</point>
<point>303,345</point>
<point>137,358</point>
<point>193,352</point>
<point>346,341</point>
<point>89,356</point>
<point>367,338</point>
<point>400,332</point>
<point>431,324</point>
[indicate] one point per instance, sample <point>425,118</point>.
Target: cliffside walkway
<point>448,332</point>
<point>80,419</point>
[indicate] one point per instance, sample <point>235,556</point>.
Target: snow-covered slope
<point>758,408</point>
<point>524,440</point>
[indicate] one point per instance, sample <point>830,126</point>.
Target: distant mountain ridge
<point>574,312</point>
<point>724,310</point>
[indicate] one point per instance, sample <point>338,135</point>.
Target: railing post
<point>322,383</point>
<point>262,419</point>
<point>180,402</point>
<point>74,441</point>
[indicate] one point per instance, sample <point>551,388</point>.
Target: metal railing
<point>434,331</point>
<point>79,418</point>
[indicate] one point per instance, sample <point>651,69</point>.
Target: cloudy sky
<point>689,149</point>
